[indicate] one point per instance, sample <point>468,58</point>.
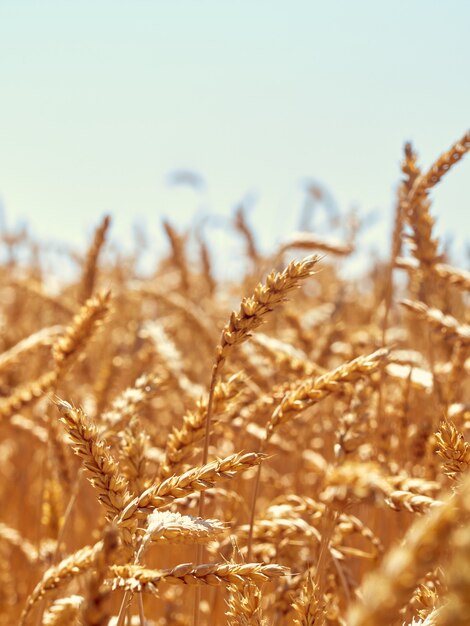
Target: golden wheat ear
<point>102,468</point>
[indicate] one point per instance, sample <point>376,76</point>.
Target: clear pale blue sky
<point>100,100</point>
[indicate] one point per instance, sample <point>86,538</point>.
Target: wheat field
<point>299,460</point>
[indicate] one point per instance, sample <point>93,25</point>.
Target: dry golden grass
<point>315,473</point>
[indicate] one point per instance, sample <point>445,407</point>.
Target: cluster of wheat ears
<point>160,467</point>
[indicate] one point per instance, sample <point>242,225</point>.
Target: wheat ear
<point>58,575</point>
<point>195,479</point>
<point>91,262</point>
<point>309,607</point>
<point>136,578</point>
<point>313,391</point>
<point>244,605</point>
<point>452,447</point>
<point>416,204</point>
<point>84,324</point>
<point>102,468</point>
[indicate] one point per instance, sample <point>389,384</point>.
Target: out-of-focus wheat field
<point>285,447</point>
